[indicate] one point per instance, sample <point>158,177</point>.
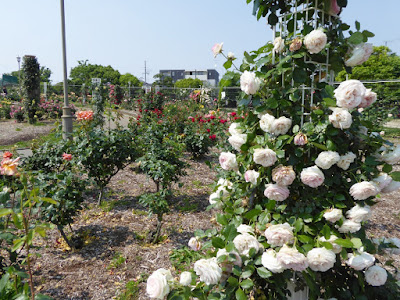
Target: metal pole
<point>19,74</point>
<point>66,117</point>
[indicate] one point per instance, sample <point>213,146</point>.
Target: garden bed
<point>115,250</point>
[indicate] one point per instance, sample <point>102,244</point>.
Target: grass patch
<point>391,132</point>
<point>116,261</point>
<point>131,290</point>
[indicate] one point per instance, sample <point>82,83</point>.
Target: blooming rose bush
<point>301,185</point>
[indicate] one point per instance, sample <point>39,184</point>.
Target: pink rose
<point>312,176</point>
<point>217,49</point>
<point>228,161</point>
<point>283,176</point>
<point>334,9</point>
<point>363,190</point>
<point>369,98</point>
<point>350,93</point>
<point>276,192</point>
<point>300,139</point>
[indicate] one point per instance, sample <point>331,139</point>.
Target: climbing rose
<point>67,156</point>
<point>321,259</point>
<point>295,45</point>
<point>334,9</point>
<point>264,157</point>
<point>333,215</point>
<point>237,141</point>
<point>283,176</point>
<point>269,261</point>
<point>157,284</point>
<point>346,160</point>
<point>359,213</point>
<point>86,115</point>
<point>336,248</point>
<point>266,121</point>
<point>369,98</point>
<point>361,261</point>
<point>217,49</point>
<point>9,166</point>
<point>363,190</point>
<point>276,192</point>
<point>279,234</point>
<point>393,186</point>
<point>350,93</point>
<point>291,258</point>
<point>349,226</point>
<point>279,44</point>
<point>244,242</point>
<point>315,41</point>
<point>382,181</point>
<point>300,139</point>
<point>251,176</point>
<point>327,159</point>
<point>359,54</point>
<point>208,270</point>
<point>7,154</point>
<point>341,118</point>
<point>228,161</point>
<point>312,177</point>
<point>376,276</point>
<point>249,83</point>
<point>185,279</point>
<point>194,244</point>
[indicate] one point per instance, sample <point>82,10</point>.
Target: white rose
<point>336,248</point>
<point>382,181</point>
<point>251,176</point>
<point>269,261</point>
<point>376,276</point>
<point>186,278</point>
<point>228,161</point>
<point>279,234</point>
<point>321,259</point>
<point>392,157</point>
<point>346,160</point>
<point>276,192</point>
<point>312,176</point>
<point>208,270</point>
<point>340,118</point>
<point>217,49</point>
<point>249,83</point>
<point>280,126</point>
<point>224,183</point>
<point>393,186</point>
<point>359,55</point>
<point>244,242</point>
<point>315,41</point>
<point>194,243</point>
<point>361,261</point>
<point>395,242</point>
<point>279,44</point>
<point>228,262</point>
<point>266,121</point>
<point>237,141</point>
<point>291,258</point>
<point>283,176</point>
<point>363,190</point>
<point>264,157</point>
<point>234,130</point>
<point>349,93</point>
<point>358,213</point>
<point>243,228</point>
<point>213,198</point>
<point>157,284</point>
<point>333,215</point>
<point>231,56</point>
<point>349,226</point>
<point>369,98</point>
<point>327,159</point>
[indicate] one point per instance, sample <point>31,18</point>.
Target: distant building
<point>209,77</point>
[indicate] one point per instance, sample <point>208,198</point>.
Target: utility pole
<point>145,72</point>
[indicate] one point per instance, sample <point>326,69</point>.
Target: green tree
<point>31,86</point>
<point>382,65</point>
<point>128,77</point>
<point>189,83</point>
<point>84,72</point>
<point>165,81</point>
<point>230,79</point>
<point>45,74</point>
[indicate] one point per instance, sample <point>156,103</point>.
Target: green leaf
<point>251,214</point>
<point>4,281</point>
<point>322,147</point>
<point>228,64</point>
<point>263,272</point>
<point>233,281</point>
<point>218,242</point>
<point>387,168</point>
<point>358,26</point>
<point>326,231</point>
<point>49,200</point>
<point>221,219</point>
<point>305,239</point>
<point>357,243</point>
<point>248,283</point>
<point>296,128</point>
<point>44,297</point>
<point>5,211</point>
<point>395,175</point>
<point>299,75</point>
<point>356,38</point>
<point>272,103</point>
<point>240,295</point>
<point>230,232</point>
<point>368,34</point>
<point>272,19</point>
<point>344,243</point>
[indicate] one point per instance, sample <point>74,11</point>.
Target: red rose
<point>7,154</point>
<point>67,156</point>
<point>213,137</point>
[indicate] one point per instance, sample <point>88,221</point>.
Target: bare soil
<point>119,228</point>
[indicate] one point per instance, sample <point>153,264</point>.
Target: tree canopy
<point>229,79</point>
<point>189,83</point>
<point>128,77</point>
<point>161,80</point>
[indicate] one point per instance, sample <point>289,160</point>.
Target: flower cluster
<point>8,166</point>
<point>84,115</point>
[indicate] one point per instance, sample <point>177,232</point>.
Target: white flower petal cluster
<point>279,234</point>
<point>369,98</point>
<point>217,49</point>
<point>194,244</point>
<point>359,54</point>
<point>157,284</point>
<point>283,176</point>
<point>231,56</point>
<point>315,41</point>
<point>327,159</point>
<point>223,186</point>
<point>269,261</point>
<point>376,276</point>
<point>341,118</point>
<point>359,213</point>
<point>321,259</point>
<point>336,248</point>
<point>237,140</point>
<point>363,190</point>
<point>244,242</point>
<point>249,83</point>
<point>264,157</point>
<point>275,126</point>
<point>228,162</point>
<point>279,44</point>
<point>333,215</point>
<point>292,259</point>
<point>350,93</point>
<point>312,176</point>
<point>208,270</point>
<point>393,186</point>
<point>349,226</point>
<point>237,262</point>
<point>276,192</point>
<point>346,160</point>
<point>392,156</point>
<point>234,130</point>
<point>185,278</point>
<point>251,176</point>
<point>382,181</point>
<point>361,261</point>
<point>243,228</point>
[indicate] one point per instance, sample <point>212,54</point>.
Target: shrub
<point>31,86</point>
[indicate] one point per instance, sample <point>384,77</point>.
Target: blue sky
<point>173,34</point>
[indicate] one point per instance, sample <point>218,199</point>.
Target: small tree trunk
<point>100,195</point>
<point>157,186</point>
<point>65,237</point>
<point>158,230</point>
